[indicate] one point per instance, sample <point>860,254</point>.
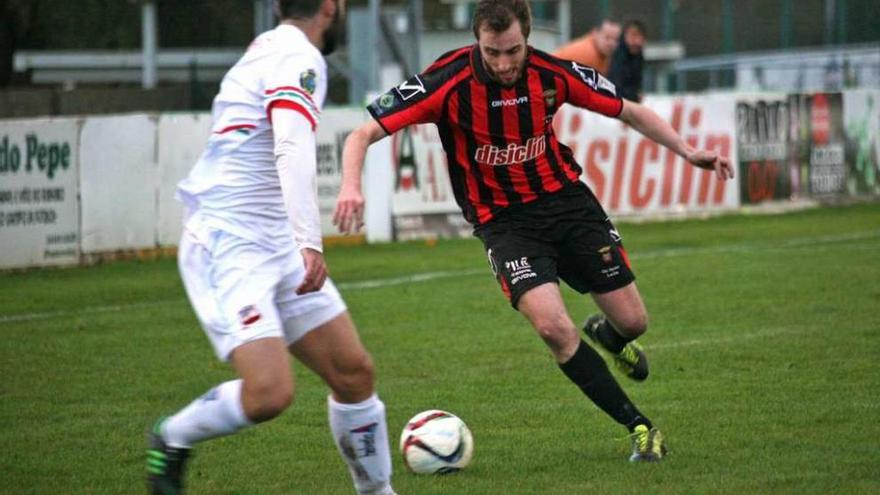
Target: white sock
<point>361,435</point>
<point>217,413</point>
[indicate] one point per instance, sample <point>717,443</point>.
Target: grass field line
<point>796,242</point>
<point>113,308</point>
<point>736,337</point>
<point>407,279</point>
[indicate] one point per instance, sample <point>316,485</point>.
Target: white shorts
<point>242,292</point>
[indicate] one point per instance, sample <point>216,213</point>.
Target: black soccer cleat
<point>632,360</point>
<point>165,465</point>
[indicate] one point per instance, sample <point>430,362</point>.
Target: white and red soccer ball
<point>436,442</point>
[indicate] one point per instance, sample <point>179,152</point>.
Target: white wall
<point>181,138</point>
<point>39,211</point>
<point>118,183</point>
<point>117,189</point>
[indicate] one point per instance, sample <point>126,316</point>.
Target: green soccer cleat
<point>632,360</point>
<point>648,445</point>
<point>164,464</point>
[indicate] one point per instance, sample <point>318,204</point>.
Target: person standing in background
<point>628,60</point>
<point>594,49</point>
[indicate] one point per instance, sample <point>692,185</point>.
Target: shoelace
<point>641,439</point>
<point>629,354</point>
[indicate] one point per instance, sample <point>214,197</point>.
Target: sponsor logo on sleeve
<point>588,74</point>
<point>411,88</point>
<point>606,84</point>
<point>386,101</point>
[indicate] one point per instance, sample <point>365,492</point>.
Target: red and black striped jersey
<point>499,141</point>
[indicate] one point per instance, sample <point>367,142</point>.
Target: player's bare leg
<point>263,391</point>
<point>625,309</point>
<point>268,383</point>
<point>357,417</point>
<point>624,319</point>
<point>544,308</point>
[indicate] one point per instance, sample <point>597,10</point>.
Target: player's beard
<point>334,35</point>
<point>507,84</point>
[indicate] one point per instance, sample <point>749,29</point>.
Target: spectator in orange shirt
<point>594,49</point>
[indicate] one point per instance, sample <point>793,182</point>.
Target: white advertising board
<point>632,175</point>
<point>39,216</point>
<point>181,139</point>
<point>421,176</point>
<point>861,120</point>
<point>336,124</point>
<point>118,181</point>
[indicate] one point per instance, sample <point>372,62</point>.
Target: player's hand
<point>712,161</point>
<point>349,214</point>
<point>316,271</point>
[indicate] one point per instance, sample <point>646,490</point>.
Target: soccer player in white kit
<point>251,260</point>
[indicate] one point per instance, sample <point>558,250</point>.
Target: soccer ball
<point>436,442</point>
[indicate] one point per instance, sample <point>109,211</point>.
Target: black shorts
<point>566,235</point>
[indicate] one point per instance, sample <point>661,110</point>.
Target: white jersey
<point>235,186</point>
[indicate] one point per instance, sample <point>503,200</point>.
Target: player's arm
<point>296,161</point>
<point>349,214</point>
<point>647,122</point>
<point>587,88</point>
<point>415,101</point>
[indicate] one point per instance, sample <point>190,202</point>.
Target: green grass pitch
<point>764,342</point>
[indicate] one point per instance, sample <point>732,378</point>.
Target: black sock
<point>590,373</point>
<point>610,338</point>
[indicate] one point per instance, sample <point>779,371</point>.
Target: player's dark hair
<point>636,23</point>
<point>498,15</point>
<point>297,9</point>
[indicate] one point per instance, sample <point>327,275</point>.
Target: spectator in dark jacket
<point>626,65</point>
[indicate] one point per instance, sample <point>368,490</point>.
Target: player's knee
<point>557,331</point>
<point>352,381</point>
<point>633,325</point>
<point>266,399</point>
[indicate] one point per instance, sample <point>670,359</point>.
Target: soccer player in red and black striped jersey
<point>493,103</point>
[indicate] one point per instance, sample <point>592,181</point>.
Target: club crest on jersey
<point>411,88</point>
<point>308,81</point>
<point>249,315</point>
<point>550,97</point>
